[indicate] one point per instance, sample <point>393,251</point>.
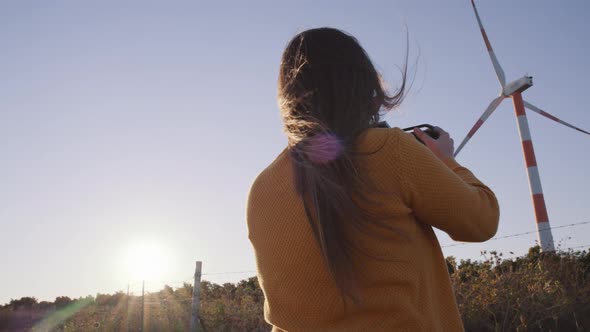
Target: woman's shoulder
<point>269,190</point>
<point>375,139</point>
<point>273,172</point>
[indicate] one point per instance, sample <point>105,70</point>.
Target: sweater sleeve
<point>445,194</point>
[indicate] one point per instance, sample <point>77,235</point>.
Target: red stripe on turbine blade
<point>529,153</point>
<point>574,127</point>
<point>550,116</point>
<point>486,40</point>
<point>540,208</point>
<point>562,122</point>
<point>475,128</point>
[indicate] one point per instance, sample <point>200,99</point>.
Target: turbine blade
<point>497,67</point>
<point>547,115</point>
<point>486,114</point>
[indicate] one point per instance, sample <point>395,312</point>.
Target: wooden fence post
<point>195,321</point>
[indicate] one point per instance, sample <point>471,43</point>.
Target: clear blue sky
<point>130,122</point>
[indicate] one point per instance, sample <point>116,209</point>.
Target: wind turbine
<point>514,90</point>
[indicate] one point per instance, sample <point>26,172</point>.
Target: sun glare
<point>146,261</point>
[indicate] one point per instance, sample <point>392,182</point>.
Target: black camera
<point>428,129</point>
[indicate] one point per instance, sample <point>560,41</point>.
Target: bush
<point>536,292</point>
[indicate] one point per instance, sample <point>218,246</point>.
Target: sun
<point>146,260</point>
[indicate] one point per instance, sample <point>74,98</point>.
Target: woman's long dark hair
<point>329,94</point>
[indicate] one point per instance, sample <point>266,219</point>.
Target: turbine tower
<point>514,90</point>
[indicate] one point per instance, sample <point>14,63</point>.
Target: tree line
<point>534,292</point>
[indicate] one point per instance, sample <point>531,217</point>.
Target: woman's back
<point>403,282</point>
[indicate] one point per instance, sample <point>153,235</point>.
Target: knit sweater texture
<point>410,290</point>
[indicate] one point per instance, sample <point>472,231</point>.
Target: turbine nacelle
<point>513,89</point>
<point>517,86</point>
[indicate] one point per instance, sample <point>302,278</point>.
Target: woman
<point>341,222</point>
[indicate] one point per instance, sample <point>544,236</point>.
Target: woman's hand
<point>442,147</point>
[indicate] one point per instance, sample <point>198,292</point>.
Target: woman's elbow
<point>482,229</point>
<point>488,223</point>
<point>488,230</point>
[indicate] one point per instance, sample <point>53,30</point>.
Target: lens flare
<point>323,148</point>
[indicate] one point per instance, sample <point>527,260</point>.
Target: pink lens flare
<point>323,148</point>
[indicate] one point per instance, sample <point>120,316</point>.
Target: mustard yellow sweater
<point>411,290</point>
